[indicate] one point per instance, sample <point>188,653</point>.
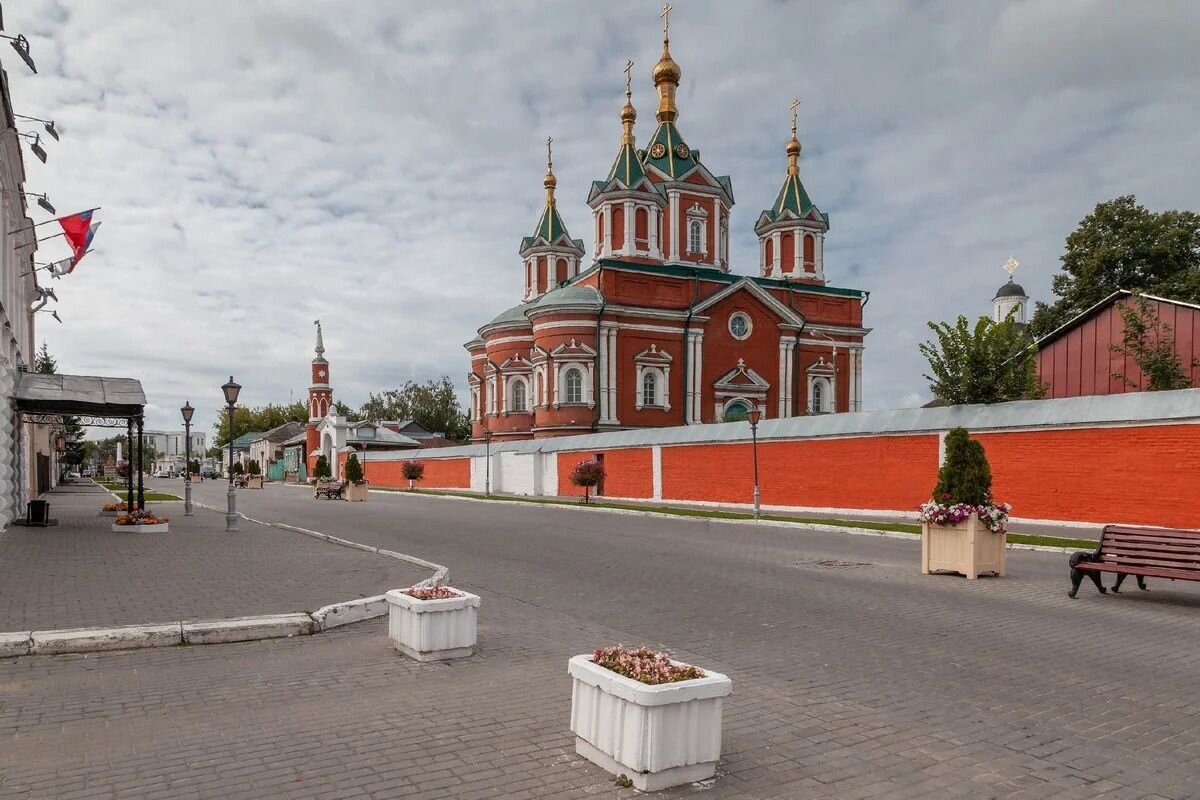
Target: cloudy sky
<point>263,163</point>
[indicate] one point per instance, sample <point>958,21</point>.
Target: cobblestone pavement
<point>854,676</point>
<point>81,574</point>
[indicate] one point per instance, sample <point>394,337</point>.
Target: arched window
<point>736,411</point>
<point>650,388</point>
<point>818,397</point>
<point>520,402</point>
<point>695,236</point>
<point>573,379</point>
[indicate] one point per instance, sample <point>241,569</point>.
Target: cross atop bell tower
<point>320,395</point>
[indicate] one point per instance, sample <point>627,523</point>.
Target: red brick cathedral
<point>657,330</point>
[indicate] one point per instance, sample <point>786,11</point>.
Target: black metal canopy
<point>107,402</point>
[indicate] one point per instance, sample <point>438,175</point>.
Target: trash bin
<point>39,512</point>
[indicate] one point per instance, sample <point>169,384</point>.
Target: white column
<point>762,257</point>
<point>798,252</point>
<point>613,368</point>
<point>819,256</point>
<point>852,357</point>
<point>697,376</point>
<point>673,212</point>
<point>782,385</point>
<point>656,471</point>
<point>777,257</point>
<point>652,232</point>
<point>858,380</point>
<point>602,356</point>
<point>606,245</point>
<point>630,224</point>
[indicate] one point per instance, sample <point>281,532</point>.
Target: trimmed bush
<point>965,477</point>
<point>321,470</point>
<point>354,470</point>
<point>253,468</point>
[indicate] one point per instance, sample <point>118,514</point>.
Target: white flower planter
<point>968,547</point>
<point>432,630</point>
<point>159,528</point>
<point>657,736</point>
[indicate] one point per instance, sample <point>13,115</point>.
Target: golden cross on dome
<point>666,15</point>
<point>1011,265</point>
<point>628,78</point>
<point>795,105</point>
<point>549,158</point>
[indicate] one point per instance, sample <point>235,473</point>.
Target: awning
<point>78,395</point>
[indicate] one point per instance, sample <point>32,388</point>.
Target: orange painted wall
<point>442,473</point>
<point>876,472</point>
<point>629,472</point>
<point>1148,475</point>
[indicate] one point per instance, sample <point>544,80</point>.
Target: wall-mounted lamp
<point>48,124</point>
<point>21,45</point>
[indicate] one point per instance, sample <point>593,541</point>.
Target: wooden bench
<point>329,490</point>
<point>1141,552</point>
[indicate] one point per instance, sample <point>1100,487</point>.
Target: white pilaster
<point>613,372</point>
<point>819,256</point>
<point>652,232</point>
<point>630,225</point>
<point>656,471</point>
<point>782,412</point>
<point>673,211</point>
<point>606,245</point>
<point>777,255</point>
<point>798,252</point>
<point>602,356</point>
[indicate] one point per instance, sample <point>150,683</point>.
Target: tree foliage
<point>1150,344</point>
<point>413,470</point>
<point>992,362</point>
<point>261,419</point>
<point>321,469</point>
<point>354,470</point>
<point>1122,245</point>
<point>44,363</point>
<point>433,405</point>
<point>965,476</point>
<point>343,410</point>
<point>252,467</point>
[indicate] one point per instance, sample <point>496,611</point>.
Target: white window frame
<point>566,400</point>
<point>650,381</point>
<point>749,325</point>
<point>511,399</point>
<point>697,220</point>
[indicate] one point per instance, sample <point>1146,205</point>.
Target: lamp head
<point>45,203</point>
<point>231,390</point>
<point>187,412</point>
<point>37,149</point>
<point>754,415</point>
<point>21,45</point>
<point>50,129</point>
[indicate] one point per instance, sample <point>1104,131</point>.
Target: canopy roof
<point>79,395</point>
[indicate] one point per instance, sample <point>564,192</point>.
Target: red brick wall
<point>442,473</point>
<point>629,472</point>
<point>1147,475</point>
<point>877,472</point>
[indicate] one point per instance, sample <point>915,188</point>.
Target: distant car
<point>209,472</point>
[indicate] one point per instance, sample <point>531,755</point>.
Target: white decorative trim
<point>742,315</point>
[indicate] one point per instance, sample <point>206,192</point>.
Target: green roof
<point>569,296</point>
<point>550,225</point>
<point>243,442</point>
<point>710,274</point>
<point>670,163</point>
<point>792,197</point>
<point>627,169</point>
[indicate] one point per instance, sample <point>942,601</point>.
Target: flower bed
<point>141,522</point>
<point>433,593</point>
<point>637,713</point>
<point>644,665</point>
<point>994,516</point>
<point>432,623</point>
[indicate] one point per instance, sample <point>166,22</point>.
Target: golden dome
<point>666,69</point>
<point>550,182</point>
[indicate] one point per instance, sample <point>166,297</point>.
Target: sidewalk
<point>82,574</point>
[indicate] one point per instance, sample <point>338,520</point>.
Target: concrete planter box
<point>254,482</point>
<point>159,528</point>
<point>968,547</point>
<point>432,630</point>
<point>355,492</point>
<point>657,736</point>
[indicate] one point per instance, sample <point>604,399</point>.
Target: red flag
<point>76,228</point>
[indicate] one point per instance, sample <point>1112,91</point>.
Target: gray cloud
<point>264,163</point>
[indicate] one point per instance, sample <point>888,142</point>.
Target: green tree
<point>1122,245</point>
<point>321,469</point>
<point>261,419</point>
<point>433,405</point>
<point>252,468</point>
<point>993,362</point>
<point>44,363</point>
<point>343,410</point>
<point>354,470</point>
<point>1150,344</point>
<point>965,476</point>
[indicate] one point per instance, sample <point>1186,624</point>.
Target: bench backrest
<point>1153,548</point>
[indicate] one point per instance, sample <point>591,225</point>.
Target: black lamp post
<point>754,416</point>
<point>487,463</point>
<point>187,412</point>
<point>231,391</point>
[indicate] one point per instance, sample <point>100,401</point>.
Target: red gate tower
<point>320,398</point>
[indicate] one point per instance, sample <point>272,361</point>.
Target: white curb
<point>94,640</point>
<point>16,643</point>
<point>338,614</point>
<point>245,629</point>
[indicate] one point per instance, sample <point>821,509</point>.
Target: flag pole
<point>47,222</point>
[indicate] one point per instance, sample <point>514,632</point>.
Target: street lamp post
<point>487,463</point>
<point>187,412</point>
<point>754,416</point>
<point>231,390</point>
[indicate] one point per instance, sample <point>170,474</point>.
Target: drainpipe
<point>687,323</point>
<point>795,357</point>
<point>596,380</point>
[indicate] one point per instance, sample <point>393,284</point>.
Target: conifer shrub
<point>354,470</point>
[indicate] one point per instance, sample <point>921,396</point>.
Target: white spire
<point>320,341</point>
